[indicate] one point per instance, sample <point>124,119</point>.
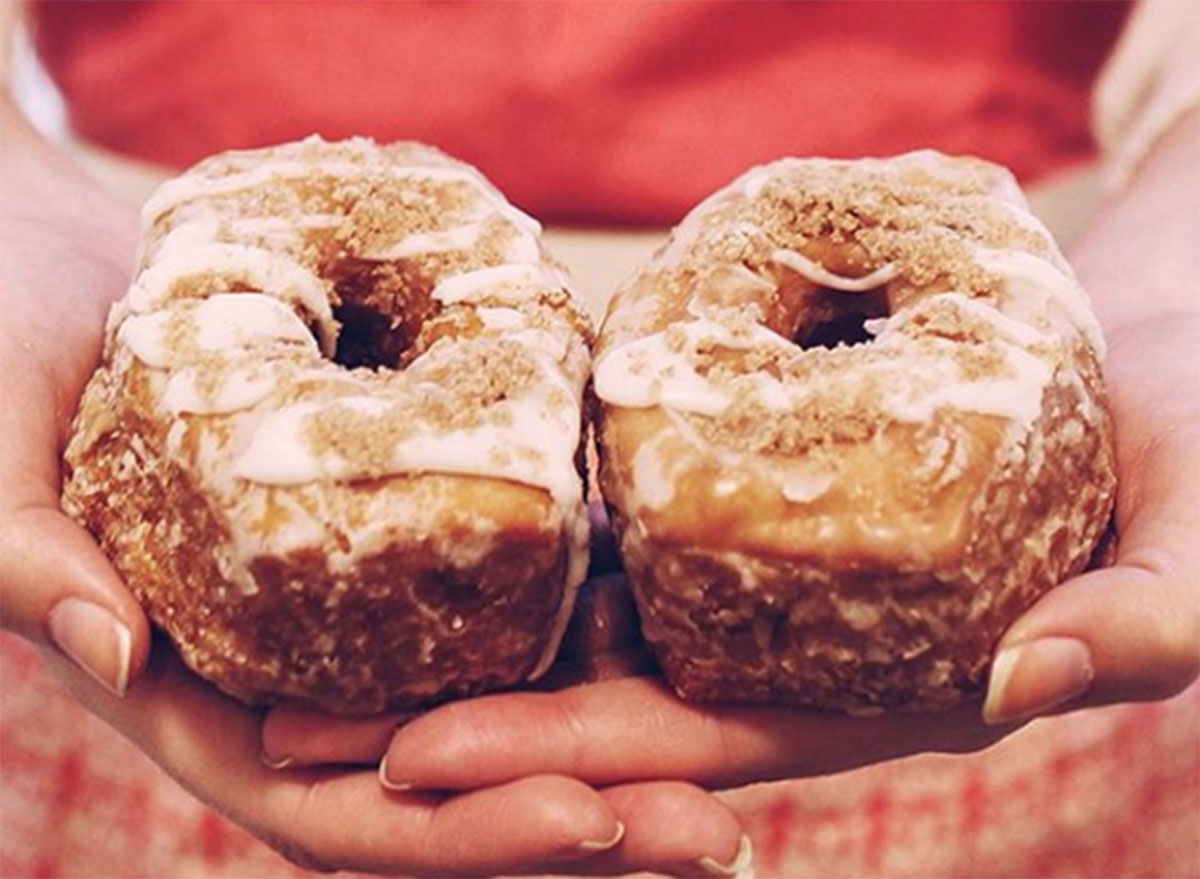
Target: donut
<point>334,444</point>
<point>851,424</point>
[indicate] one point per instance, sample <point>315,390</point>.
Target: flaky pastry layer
<point>334,442</point>
<point>851,425</point>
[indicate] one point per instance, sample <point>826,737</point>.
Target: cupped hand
<point>68,249</point>
<point>1126,632</point>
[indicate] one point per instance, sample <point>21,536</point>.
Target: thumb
<point>1115,635</point>
<point>58,589</point>
<point>1131,632</point>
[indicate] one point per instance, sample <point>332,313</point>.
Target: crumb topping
<point>822,421</point>
<point>455,394</point>
<point>852,220</point>
<point>921,223</point>
<point>356,239</point>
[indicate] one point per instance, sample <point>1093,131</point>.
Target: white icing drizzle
<point>514,325</point>
<point>805,485</point>
<point>648,373</point>
<point>522,248</point>
<point>933,382</point>
<point>239,388</point>
<point>920,376</point>
<point>530,443</point>
<point>501,318</point>
<point>818,274</point>
<point>506,283</point>
<point>652,478</point>
<point>282,276</point>
<point>194,186</point>
<point>651,371</point>
<point>457,238</point>
<point>225,322</point>
<point>1014,331</point>
<point>1031,285</point>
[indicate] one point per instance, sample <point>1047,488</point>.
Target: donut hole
<point>815,316</point>
<point>835,317</point>
<point>381,307</point>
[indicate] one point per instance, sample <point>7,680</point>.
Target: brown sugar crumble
<point>462,392</point>
<point>927,224</point>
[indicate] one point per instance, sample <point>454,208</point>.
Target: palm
<point>65,274</point>
<point>1139,616</point>
<point>56,293</point>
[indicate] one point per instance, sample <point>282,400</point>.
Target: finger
<point>602,642</point>
<point>605,618</point>
<point>329,818</point>
<point>1127,633</point>
<point>518,827</point>
<point>1122,634</point>
<point>1130,632</point>
<point>58,589</point>
<point>292,737</point>
<point>674,828</point>
<point>637,729</point>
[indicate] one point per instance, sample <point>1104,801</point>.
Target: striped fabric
<point>1104,793</point>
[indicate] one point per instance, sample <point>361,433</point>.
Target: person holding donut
<point>606,114</point>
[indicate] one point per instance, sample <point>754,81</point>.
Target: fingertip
<point>388,782</point>
<point>583,820</point>
<point>98,642</point>
<point>278,764</point>
<point>741,865</point>
<point>1117,634</point>
<point>1031,678</point>
<point>466,745</point>
<point>588,847</point>
<point>675,828</point>
<point>538,820</point>
<point>60,590</point>
<point>135,622</point>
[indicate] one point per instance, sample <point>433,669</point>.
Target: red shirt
<point>588,111</point>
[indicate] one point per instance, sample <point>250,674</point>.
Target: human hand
<point>669,826</point>
<point>67,256</point>
<point>1136,621</point>
<point>68,248</point>
<point>1127,632</point>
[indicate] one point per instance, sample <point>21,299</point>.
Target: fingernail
<point>1028,679</point>
<point>387,782</point>
<point>740,865</point>
<point>276,762</point>
<point>94,639</point>
<point>591,846</point>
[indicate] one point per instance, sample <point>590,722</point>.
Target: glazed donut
<point>335,441</point>
<point>851,425</point>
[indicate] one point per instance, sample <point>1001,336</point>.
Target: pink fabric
<point>600,112</point>
<point>1103,793</point>
<point>617,113</point>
